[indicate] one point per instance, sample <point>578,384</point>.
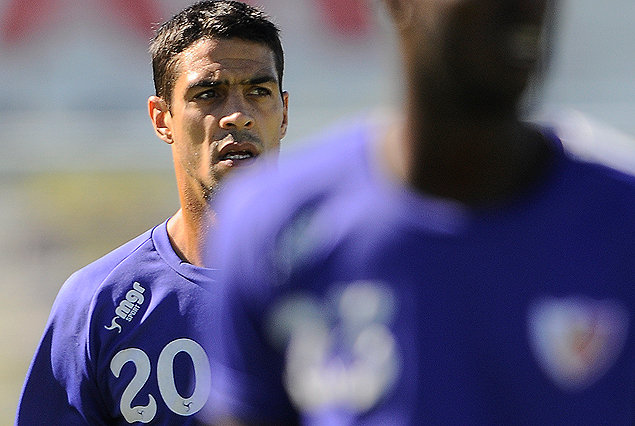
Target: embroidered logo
<point>339,350</point>
<point>128,307</point>
<point>576,340</point>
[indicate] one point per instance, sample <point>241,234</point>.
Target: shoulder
<point>256,206</point>
<point>592,192</point>
<point>596,155</point>
<point>71,311</point>
<point>598,177</point>
<point>326,163</point>
<point>87,279</point>
<point>65,345</point>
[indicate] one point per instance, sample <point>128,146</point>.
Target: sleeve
<point>248,380</point>
<point>59,387</point>
<point>44,399</point>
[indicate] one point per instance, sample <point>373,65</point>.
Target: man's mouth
<point>238,155</point>
<point>238,149</point>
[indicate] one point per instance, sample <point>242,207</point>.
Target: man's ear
<point>161,118</point>
<point>285,114</point>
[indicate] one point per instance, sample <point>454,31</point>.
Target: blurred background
<point>82,172</point>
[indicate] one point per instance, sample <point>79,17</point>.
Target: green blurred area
<point>53,224</point>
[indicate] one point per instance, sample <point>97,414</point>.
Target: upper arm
<point>45,400</point>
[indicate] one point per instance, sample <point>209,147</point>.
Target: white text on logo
<point>128,307</point>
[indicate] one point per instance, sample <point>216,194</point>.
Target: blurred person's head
<point>478,53</point>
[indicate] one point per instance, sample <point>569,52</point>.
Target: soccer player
<point>455,266</point>
<point>125,342</point>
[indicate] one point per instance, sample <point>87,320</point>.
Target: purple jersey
<point>124,342</point>
<point>349,299</point>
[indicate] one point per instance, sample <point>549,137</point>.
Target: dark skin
<point>465,160</point>
<point>461,137</point>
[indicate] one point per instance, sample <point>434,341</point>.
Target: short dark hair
<point>217,19</point>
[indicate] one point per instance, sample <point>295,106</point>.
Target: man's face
<point>487,48</point>
<point>226,111</point>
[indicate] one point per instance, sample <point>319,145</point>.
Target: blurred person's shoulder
<point>591,141</point>
<point>334,160</point>
<point>593,174</point>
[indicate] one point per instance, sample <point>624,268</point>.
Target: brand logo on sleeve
<point>577,340</point>
<point>128,307</point>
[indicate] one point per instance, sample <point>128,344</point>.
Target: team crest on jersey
<point>340,350</point>
<point>128,307</point>
<point>576,340</point>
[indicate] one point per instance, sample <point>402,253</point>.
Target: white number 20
<point>165,378</point>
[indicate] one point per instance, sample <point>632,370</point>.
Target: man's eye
<point>208,94</point>
<point>260,91</point>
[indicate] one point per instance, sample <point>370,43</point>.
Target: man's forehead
<point>228,52</point>
<point>230,72</point>
<point>233,58</point>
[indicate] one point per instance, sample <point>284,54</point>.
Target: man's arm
<point>44,400</point>
<point>58,388</point>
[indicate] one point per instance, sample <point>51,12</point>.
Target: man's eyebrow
<point>262,79</point>
<point>206,83</point>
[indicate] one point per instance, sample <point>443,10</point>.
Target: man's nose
<point>236,116</point>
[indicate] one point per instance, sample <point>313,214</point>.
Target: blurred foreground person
<point>125,340</point>
<point>454,267</point>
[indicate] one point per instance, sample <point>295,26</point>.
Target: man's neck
<point>188,235</point>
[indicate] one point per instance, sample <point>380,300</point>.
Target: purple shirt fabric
<point>126,342</point>
<point>348,299</point>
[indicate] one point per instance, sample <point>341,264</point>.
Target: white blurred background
<point>82,172</point>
